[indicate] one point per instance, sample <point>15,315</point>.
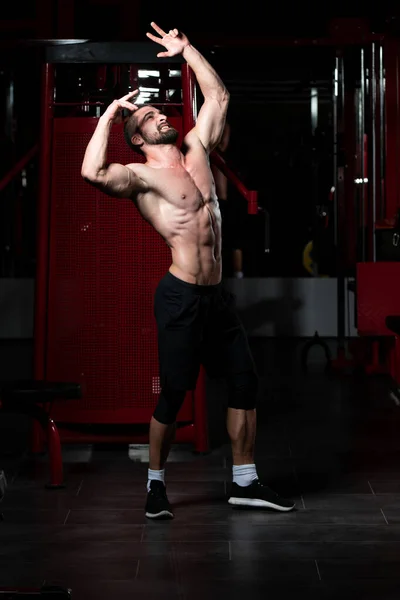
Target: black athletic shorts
<point>198,324</point>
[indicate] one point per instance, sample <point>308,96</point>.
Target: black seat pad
<point>393,323</point>
<point>33,391</point>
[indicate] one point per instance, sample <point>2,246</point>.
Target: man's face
<point>153,126</point>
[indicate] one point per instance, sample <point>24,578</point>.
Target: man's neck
<point>164,156</point>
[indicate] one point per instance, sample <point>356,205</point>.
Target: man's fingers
<point>154,38</point>
<point>158,29</point>
<point>130,95</point>
<point>128,105</point>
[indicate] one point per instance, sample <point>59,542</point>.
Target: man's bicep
<point>210,123</point>
<point>121,182</point>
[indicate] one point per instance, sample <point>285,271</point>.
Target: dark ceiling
<point>205,20</point>
<point>233,37</point>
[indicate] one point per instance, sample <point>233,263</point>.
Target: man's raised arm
<point>212,115</point>
<point>113,179</point>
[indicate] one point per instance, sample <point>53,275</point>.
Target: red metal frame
<point>98,410</point>
<point>194,431</point>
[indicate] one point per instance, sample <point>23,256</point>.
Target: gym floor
<point>329,441</point>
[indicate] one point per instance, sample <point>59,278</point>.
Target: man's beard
<point>164,137</point>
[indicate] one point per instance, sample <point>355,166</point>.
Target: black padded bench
<point>35,398</point>
<point>392,322</point>
<point>46,592</point>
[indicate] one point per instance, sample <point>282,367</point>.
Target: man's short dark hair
<point>130,128</point>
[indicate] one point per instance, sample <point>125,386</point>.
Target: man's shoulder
<point>137,167</point>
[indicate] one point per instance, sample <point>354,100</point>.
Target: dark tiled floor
<point>332,443</point>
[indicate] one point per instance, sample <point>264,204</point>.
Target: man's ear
<point>137,139</point>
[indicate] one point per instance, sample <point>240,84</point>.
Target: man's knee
<point>169,404</point>
<point>242,390</point>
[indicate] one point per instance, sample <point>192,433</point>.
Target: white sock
<point>244,474</point>
<point>238,274</point>
<point>158,475</point>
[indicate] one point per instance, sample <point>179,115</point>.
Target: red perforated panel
<point>378,296</point>
<point>105,263</point>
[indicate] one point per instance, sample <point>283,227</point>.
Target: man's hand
<point>114,111</point>
<point>174,41</point>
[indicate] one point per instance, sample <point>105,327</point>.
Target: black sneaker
<point>259,496</point>
<point>157,505</point>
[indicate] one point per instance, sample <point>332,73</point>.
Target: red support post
<point>43,218</point>
<point>251,196</point>
<point>42,243</point>
<point>55,456</point>
<point>188,98</point>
